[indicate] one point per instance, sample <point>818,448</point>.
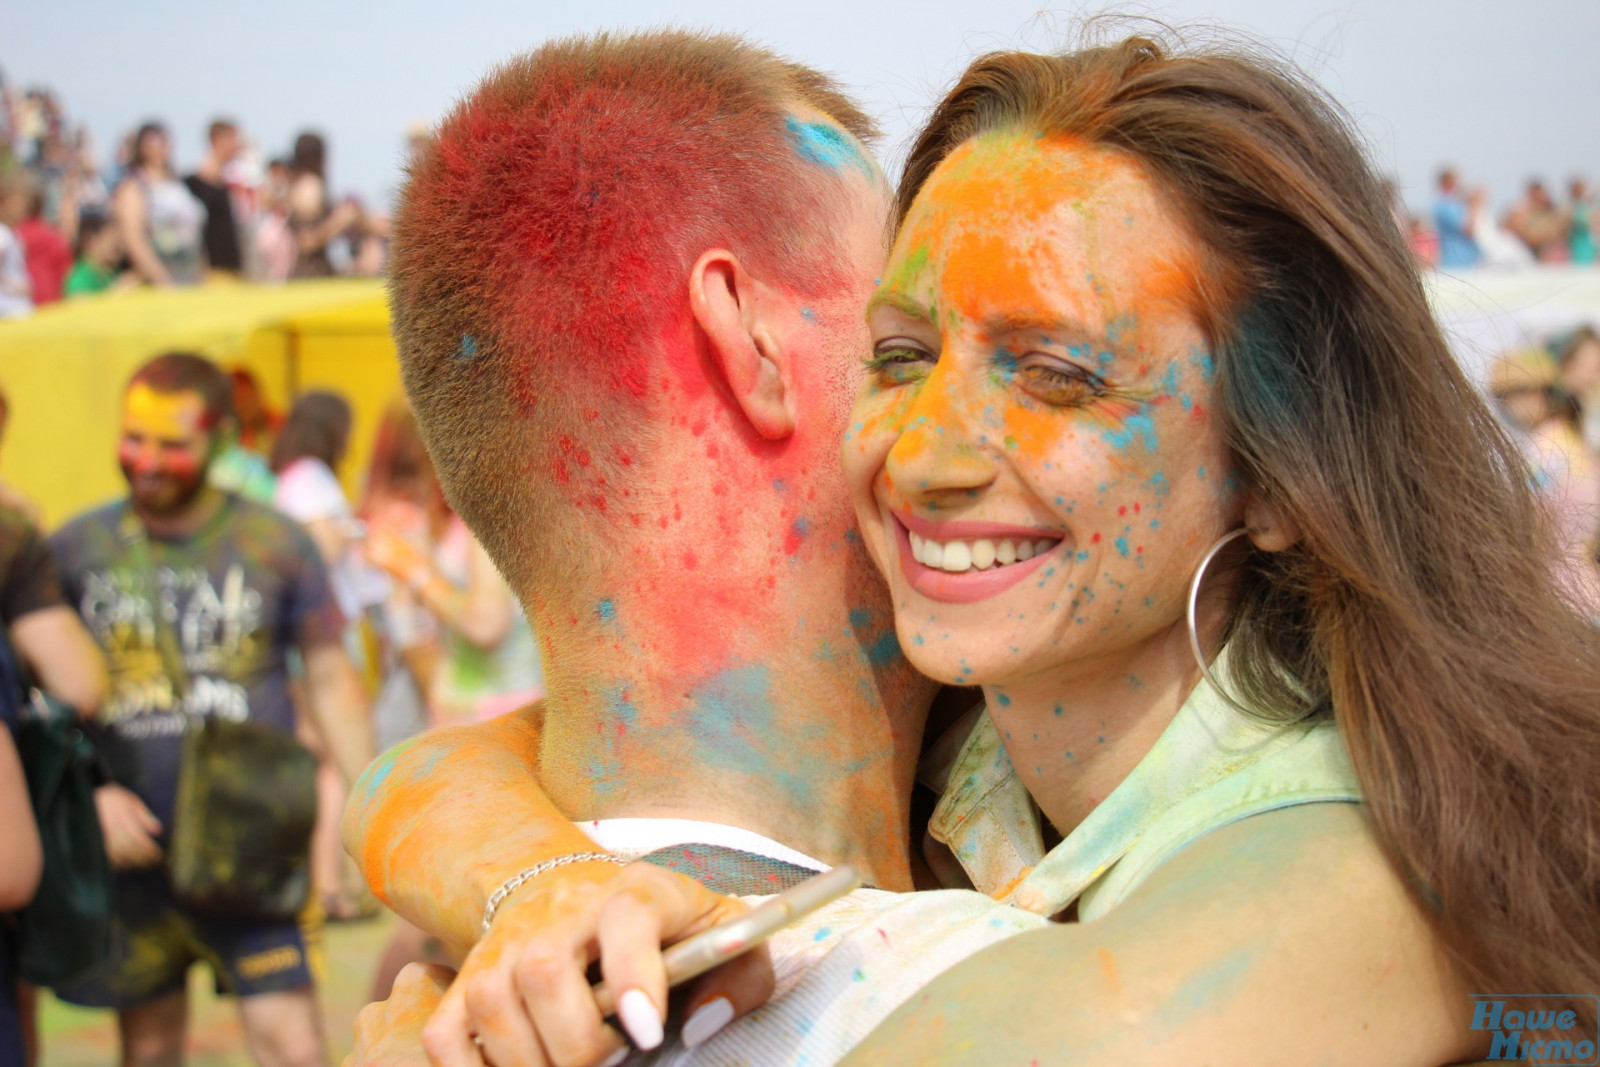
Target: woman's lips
<point>969,586</point>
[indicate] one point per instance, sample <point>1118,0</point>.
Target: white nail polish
<point>640,1018</point>
<point>706,1020</point>
<point>615,1058</point>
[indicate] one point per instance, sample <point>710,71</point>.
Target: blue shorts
<point>155,941</point>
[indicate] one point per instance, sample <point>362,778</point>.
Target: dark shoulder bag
<point>66,928</point>
<point>247,801</point>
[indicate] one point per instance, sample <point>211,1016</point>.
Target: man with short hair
<point>627,283</point>
<point>209,184</point>
<point>231,587</point>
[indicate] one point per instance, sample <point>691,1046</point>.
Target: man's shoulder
<point>88,537</point>
<point>256,522</point>
<point>267,536</point>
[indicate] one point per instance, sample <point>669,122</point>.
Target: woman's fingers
<point>446,1038</point>
<point>630,959</point>
<point>552,987</point>
<point>733,990</point>
<point>497,1019</point>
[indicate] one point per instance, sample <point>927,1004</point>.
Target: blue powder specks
<point>884,651</point>
<point>1136,426</point>
<point>607,610</point>
<point>469,347</point>
<point>777,485</point>
<point>860,618</point>
<point>1169,382</point>
<point>826,144</point>
<point>1058,712</point>
<point>822,934</point>
<point>800,527</point>
<point>1122,545</point>
<point>808,315</point>
<point>1005,701</point>
<point>917,640</point>
<point>1200,359</point>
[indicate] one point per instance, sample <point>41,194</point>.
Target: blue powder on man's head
<point>825,144</point>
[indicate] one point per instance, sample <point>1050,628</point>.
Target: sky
<point>1501,89</point>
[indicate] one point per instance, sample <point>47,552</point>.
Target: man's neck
<point>187,520</point>
<point>808,736</point>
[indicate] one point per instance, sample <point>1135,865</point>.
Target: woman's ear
<point>728,306</point>
<point>1269,528</point>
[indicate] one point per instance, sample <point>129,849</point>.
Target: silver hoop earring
<point>1194,631</point>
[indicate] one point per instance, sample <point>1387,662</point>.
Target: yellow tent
<point>64,370</point>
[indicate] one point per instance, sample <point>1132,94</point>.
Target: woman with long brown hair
<point>1397,581</point>
<point>1161,447</point>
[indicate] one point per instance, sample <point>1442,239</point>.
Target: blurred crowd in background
<point>1462,231</point>
<point>76,220</point>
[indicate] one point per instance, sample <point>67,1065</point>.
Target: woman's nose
<point>944,446</point>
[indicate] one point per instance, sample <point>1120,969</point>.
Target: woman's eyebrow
<point>886,297</point>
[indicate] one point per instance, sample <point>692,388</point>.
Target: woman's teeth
<point>958,556</point>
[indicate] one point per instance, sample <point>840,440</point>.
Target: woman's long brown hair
<point>1419,602</point>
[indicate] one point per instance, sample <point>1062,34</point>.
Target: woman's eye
<point>898,361</point>
<point>1058,383</point>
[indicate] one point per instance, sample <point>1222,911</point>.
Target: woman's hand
<point>389,549</point>
<point>128,827</point>
<point>524,992</point>
<point>388,1033</point>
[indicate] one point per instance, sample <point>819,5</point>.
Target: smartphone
<point>696,955</point>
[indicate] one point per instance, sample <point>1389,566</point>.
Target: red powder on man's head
<point>543,244</point>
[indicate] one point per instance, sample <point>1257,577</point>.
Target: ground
<point>78,1037</point>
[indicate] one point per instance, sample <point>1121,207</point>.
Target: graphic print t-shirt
<point>236,595</point>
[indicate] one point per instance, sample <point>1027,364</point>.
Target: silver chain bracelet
<point>528,874</point>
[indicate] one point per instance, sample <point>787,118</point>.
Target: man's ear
<point>727,304</point>
<point>1269,528</point>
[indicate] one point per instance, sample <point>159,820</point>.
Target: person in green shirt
<point>100,252</point>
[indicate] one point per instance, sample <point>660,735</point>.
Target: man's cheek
<point>182,466</point>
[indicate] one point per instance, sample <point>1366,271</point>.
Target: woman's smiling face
<point>1036,461</point>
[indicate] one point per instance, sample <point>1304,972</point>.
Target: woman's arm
<point>63,657</point>
<point>130,212</point>
<point>20,858</point>
<point>1283,939</point>
<point>440,822</point>
<point>482,613</point>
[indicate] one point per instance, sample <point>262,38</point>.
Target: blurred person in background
<point>47,254</point>
<point>161,221</point>
<point>46,645</point>
<point>1580,223</point>
<point>209,185</point>
<point>1540,224</point>
<point>305,457</point>
<point>1498,248</point>
<point>1578,355</point>
<point>244,586</point>
<point>488,660</point>
<point>21,863</point>
<point>272,245</point>
<point>1452,221</point>
<point>100,254</point>
<point>403,498</point>
<point>241,463</point>
<point>1567,477</point>
<point>258,422</point>
<point>16,287</point>
<point>313,220</point>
